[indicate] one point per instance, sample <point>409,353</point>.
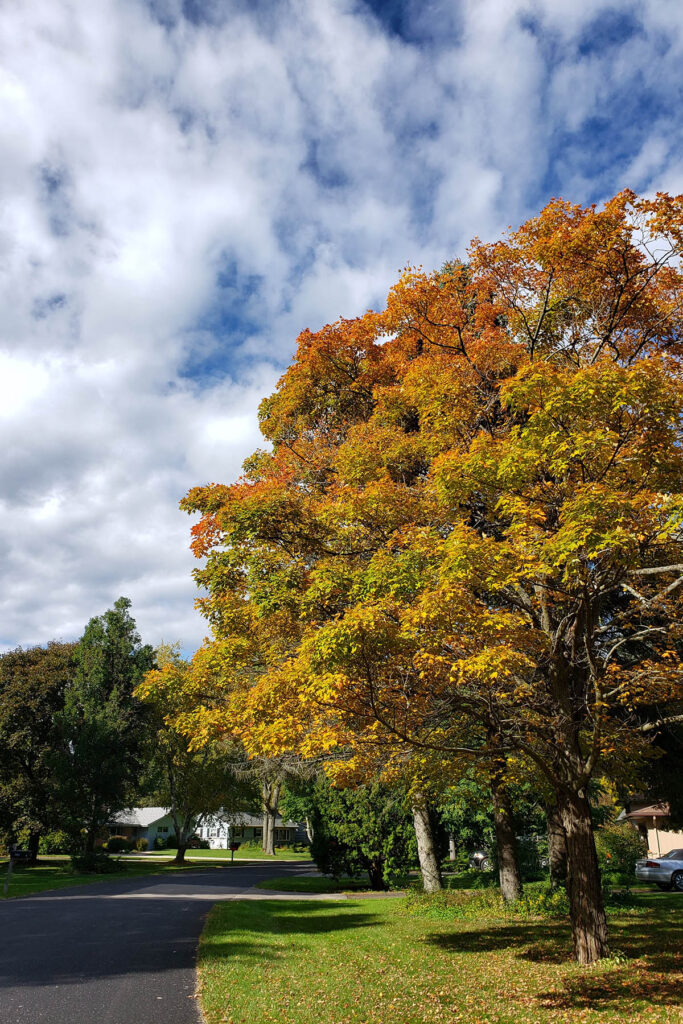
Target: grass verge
<point>316,885</point>
<point>371,962</point>
<point>57,874</point>
<point>244,853</point>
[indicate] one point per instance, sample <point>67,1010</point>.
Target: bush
<point>544,902</point>
<point>470,905</point>
<point>55,842</point>
<point>117,844</point>
<point>95,863</point>
<point>453,904</point>
<point>619,846</point>
<point>141,844</point>
<point>172,842</point>
<point>159,843</point>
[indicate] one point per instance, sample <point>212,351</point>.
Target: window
<point>162,828</point>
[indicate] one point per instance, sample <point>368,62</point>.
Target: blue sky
<point>188,185</point>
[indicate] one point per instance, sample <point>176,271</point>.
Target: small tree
<point>364,829</point>
<point>102,727</point>
<point>195,783</point>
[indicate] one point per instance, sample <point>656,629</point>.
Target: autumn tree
<point>466,534</point>
<point>194,783</point>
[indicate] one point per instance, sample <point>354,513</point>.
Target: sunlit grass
<point>370,962</point>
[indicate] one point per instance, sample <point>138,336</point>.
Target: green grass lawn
<point>57,874</point>
<point>244,853</point>
<point>372,962</point>
<point>315,885</point>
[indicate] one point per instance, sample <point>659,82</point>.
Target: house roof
<point>143,817</point>
<point>650,811</point>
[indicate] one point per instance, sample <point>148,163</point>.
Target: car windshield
<point>673,855</point>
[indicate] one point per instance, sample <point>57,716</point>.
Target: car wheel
<point>664,886</point>
<point>677,881</point>
<point>486,866</point>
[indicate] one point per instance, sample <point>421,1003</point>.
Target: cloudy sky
<point>187,185</point>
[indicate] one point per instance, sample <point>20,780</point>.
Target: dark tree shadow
<point>651,946</point>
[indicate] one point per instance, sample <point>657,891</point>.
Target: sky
<point>187,184</point>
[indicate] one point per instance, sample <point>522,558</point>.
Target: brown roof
<point>650,811</point>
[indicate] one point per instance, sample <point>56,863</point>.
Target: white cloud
<point>181,199</point>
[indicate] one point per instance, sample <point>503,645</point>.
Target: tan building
<point>652,821</point>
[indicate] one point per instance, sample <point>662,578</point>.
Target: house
<point>147,823</point>
<point>248,828</point>
<point>652,820</point>
<point>219,830</point>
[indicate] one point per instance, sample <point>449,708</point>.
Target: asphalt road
<point>113,952</point>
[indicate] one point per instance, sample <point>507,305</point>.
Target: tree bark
<point>270,792</point>
<point>508,865</point>
<point>587,911</point>
<point>426,851</point>
<point>557,846</point>
<point>180,853</point>
<point>376,875</point>
<point>33,843</point>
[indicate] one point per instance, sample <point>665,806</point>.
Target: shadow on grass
<point>652,944</point>
<point>222,938</point>
<point>540,943</point>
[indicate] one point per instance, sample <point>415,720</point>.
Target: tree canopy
<point>466,534</point>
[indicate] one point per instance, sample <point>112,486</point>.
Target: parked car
<point>481,860</point>
<point>665,871</point>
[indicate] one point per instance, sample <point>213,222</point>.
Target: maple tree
<point>195,784</point>
<point>466,535</point>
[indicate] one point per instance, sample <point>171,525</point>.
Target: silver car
<point>665,871</point>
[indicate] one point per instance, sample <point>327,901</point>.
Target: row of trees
<point>80,739</point>
<point>463,544</point>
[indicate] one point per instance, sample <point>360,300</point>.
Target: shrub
<point>159,843</point>
<point>55,842</point>
<point>141,844</point>
<point>172,842</point>
<point>118,844</point>
<point>544,902</point>
<point>454,904</point>
<point>619,846</point>
<point>95,863</point>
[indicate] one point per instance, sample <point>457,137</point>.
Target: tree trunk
<point>33,842</point>
<point>376,875</point>
<point>309,830</point>
<point>589,923</point>
<point>452,853</point>
<point>270,791</point>
<point>426,852</point>
<point>180,853</point>
<point>557,846</point>
<point>508,866</point>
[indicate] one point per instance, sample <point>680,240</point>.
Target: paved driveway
<point>114,952</point>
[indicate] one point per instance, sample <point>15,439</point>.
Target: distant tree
<point>33,683</point>
<point>102,725</point>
